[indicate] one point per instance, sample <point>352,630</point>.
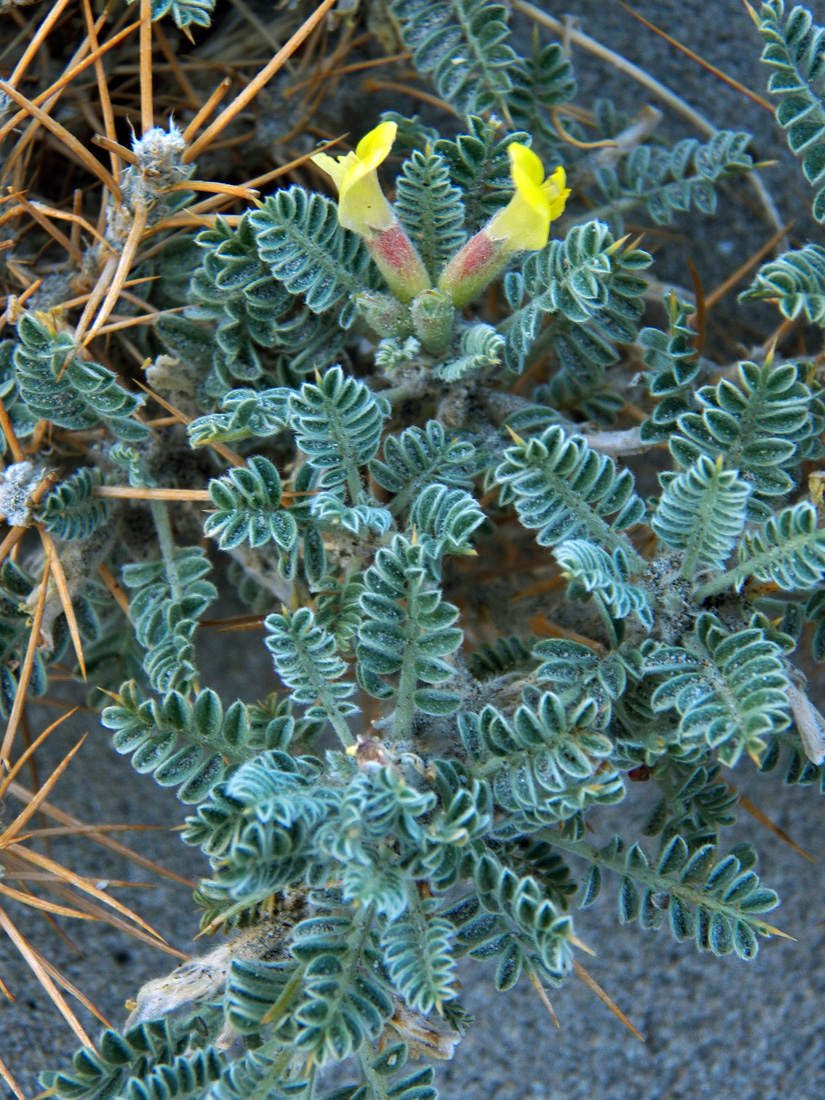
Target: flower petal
<point>521,225</point>
<point>362,206</point>
<point>374,147</point>
<point>524,224</point>
<point>525,167</point>
<point>334,167</point>
<point>556,192</point>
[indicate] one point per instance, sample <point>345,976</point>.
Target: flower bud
<point>432,315</point>
<point>385,315</point>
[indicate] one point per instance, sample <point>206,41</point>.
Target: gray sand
<point>715,1029</point>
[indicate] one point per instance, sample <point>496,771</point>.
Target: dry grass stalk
<point>604,997</point>
<point>699,60</point>
<point>254,86</point>
<point>26,668</point>
<point>37,41</point>
<point>147,111</point>
<point>127,492</point>
<point>635,72</point>
<point>65,595</point>
<point>207,109</point>
<point>71,142</point>
<point>71,74</point>
<point>5,1072</point>
<point>121,272</point>
<point>41,972</point>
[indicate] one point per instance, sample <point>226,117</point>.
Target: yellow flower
<point>362,206</point>
<point>524,224</point>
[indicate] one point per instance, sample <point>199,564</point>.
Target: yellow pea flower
<point>362,205</point>
<point>363,208</point>
<point>524,224</point>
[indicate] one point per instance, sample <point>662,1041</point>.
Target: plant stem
<point>689,561</point>
<point>720,583</point>
<point>167,546</point>
<point>609,625</point>
<point>402,719</point>
<point>286,996</point>
<point>691,895</point>
<point>338,721</point>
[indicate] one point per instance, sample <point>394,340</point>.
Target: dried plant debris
<point>512,526</point>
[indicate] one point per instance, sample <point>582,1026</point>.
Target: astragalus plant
<point>420,438</point>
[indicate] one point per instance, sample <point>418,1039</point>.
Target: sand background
<point>715,1029</point>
